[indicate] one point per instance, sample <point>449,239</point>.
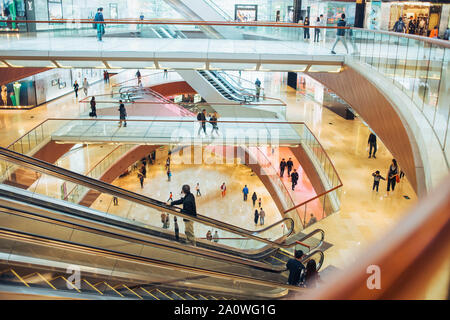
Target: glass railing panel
<point>131,212</point>
<point>433,81</point>
<point>441,122</point>
<point>411,67</point>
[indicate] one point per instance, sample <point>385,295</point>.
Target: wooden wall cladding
<point>378,112</point>
<point>8,75</point>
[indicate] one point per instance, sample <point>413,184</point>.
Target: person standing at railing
<point>306,30</point>
<point>139,77</point>
<point>223,189</point>
<point>340,34</point>
<point>93,104</point>
<point>257,88</point>
<point>294,179</point>
<point>312,220</point>
<point>122,114</point>
<point>317,30</point>
<point>189,208</point>
<point>99,26</point>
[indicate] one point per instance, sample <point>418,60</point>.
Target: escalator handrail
<point>64,174</point>
<point>26,237</point>
<point>206,74</point>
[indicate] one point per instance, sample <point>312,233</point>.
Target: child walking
<point>376,179</point>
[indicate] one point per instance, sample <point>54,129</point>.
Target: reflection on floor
<point>231,208</point>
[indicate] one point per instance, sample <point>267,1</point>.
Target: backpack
<point>199,116</point>
<point>398,27</point>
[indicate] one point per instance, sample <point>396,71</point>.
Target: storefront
<point>43,87</point>
<point>423,15</point>
<point>12,10</point>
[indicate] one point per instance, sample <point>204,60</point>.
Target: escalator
<point>226,89</point>
<point>249,253</point>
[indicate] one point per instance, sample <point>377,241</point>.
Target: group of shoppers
<point>202,118</point>
<point>290,167</point>
<point>418,27</point>
<point>258,215</point>
<point>319,22</point>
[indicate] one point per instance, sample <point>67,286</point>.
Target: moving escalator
<point>225,88</point>
<point>242,251</point>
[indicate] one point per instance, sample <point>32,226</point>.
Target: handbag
<point>397,178</point>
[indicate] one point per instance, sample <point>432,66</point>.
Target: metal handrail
<point>68,245</point>
<point>46,168</point>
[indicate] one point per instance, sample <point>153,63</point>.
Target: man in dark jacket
<point>189,208</point>
<point>399,26</point>
<point>372,145</point>
<point>294,179</point>
<point>122,114</point>
<point>282,166</point>
<point>201,117</point>
<point>289,164</point>
<point>295,268</point>
<point>340,34</point>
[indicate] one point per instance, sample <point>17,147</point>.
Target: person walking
<point>289,165</point>
<point>372,142</point>
<point>294,179</point>
<point>257,88</point>
<point>169,174</point>
<point>340,34</point>
<point>262,215</point>
<point>115,201</point>
<point>209,235</point>
<point>259,203</point>
<point>107,76</point>
<point>399,25</point>
<point>392,176</point>
<point>76,86</point>
<point>376,180</point>
<point>122,114</point>
<point>85,86</point>
<point>165,74</point>
<point>201,117</point>
<point>223,189</point>
<point>189,208</point>
<point>139,77</point>
<point>141,178</point>
<point>254,198</point>
<point>99,26</point>
<point>93,104</point>
<point>282,167</point>
<point>295,268</point>
<point>197,189</point>
<point>177,229</point>
<point>256,217</point>
<point>213,121</point>
<point>306,29</point>
<point>170,196</point>
<point>245,192</point>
